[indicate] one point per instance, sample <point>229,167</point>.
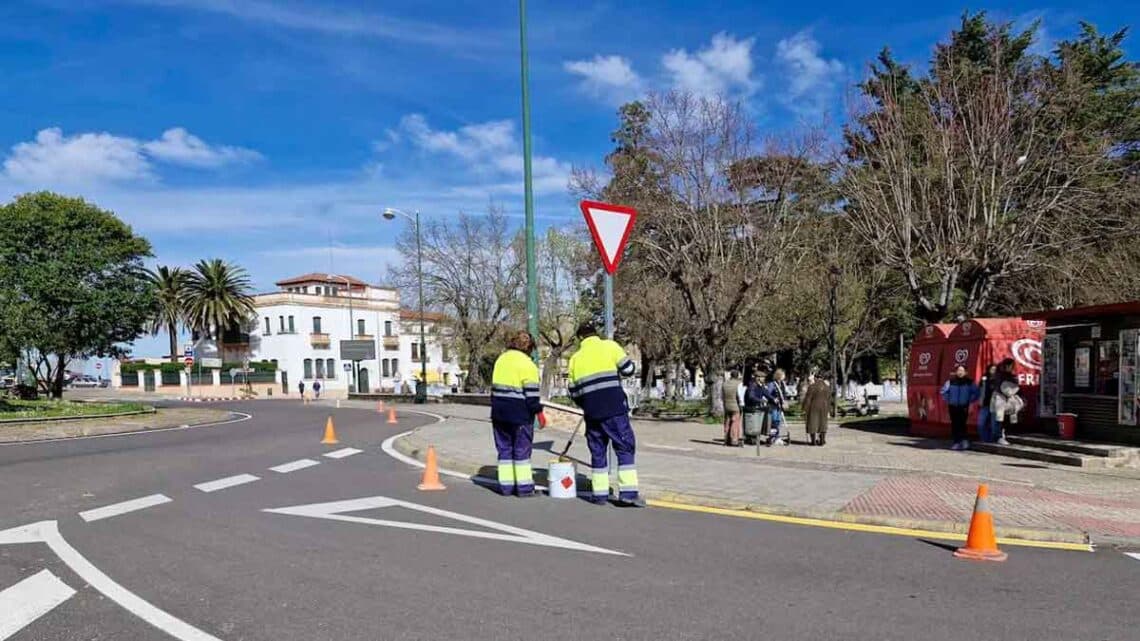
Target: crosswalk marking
<point>348,451</point>
<point>293,466</point>
<point>108,511</point>
<point>29,600</point>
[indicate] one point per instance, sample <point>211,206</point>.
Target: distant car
<point>8,381</point>
<point>84,381</point>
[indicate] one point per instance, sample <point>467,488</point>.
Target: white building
<point>302,325</point>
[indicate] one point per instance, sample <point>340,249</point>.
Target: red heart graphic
<point>567,482</point>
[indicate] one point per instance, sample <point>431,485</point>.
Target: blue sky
<point>267,131</point>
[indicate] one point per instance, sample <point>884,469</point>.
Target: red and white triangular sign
<point>610,226</point>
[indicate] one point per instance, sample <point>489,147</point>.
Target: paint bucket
<point>560,480</point>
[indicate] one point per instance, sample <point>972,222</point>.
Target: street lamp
<point>833,275</point>
<point>351,324</point>
<point>390,213</point>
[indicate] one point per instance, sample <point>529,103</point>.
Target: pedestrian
<point>515,402</point>
<point>301,389</point>
<point>755,408</point>
<point>987,428</point>
<point>595,385</point>
<point>1007,402</point>
<point>731,394</point>
<point>960,393</point>
<point>777,405</point>
<point>816,403</point>
<point>317,390</point>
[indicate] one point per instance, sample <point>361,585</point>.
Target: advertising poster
<point>1129,376</point>
<point>1050,377</point>
<point>1081,363</point>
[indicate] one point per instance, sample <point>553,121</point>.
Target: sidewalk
<point>860,476</point>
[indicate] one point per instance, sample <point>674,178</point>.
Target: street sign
<point>188,361</point>
<point>348,367</point>
<point>357,350</point>
<point>212,362</point>
<point>610,226</point>
<point>98,366</point>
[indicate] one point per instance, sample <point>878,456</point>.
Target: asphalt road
<point>217,565</point>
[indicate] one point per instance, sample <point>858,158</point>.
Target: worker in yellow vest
<point>515,402</point>
<point>595,385</point>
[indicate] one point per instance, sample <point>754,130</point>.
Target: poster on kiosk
<point>924,379</point>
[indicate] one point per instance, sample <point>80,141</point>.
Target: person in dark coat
<point>817,407</point>
<point>960,392</point>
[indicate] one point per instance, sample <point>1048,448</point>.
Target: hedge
<point>130,368</point>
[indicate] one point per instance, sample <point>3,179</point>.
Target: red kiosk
<point>974,344</point>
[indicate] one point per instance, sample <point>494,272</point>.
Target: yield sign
<point>610,226</point>
<point>338,511</point>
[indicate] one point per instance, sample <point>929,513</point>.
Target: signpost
<point>610,226</point>
<point>188,360</point>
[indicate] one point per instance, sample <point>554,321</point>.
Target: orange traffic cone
<point>430,481</point>
<point>981,543</point>
<point>330,434</point>
<point>392,416</point>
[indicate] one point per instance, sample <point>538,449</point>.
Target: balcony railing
<point>391,342</point>
<point>320,341</point>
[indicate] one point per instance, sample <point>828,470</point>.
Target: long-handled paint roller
<point>570,441</point>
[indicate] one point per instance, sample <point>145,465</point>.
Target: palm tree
<point>217,296</point>
<point>170,310</point>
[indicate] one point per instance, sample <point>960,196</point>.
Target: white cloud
<point>723,67</point>
<point>809,74</point>
<point>93,158</point>
<point>488,149</point>
<point>81,159</point>
<point>610,78</point>
<point>180,147</point>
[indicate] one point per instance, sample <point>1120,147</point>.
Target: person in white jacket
<point>1006,402</point>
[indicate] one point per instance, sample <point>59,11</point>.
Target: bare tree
<point>473,273</point>
<point>563,260</point>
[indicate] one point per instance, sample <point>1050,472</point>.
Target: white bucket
<point>560,482</point>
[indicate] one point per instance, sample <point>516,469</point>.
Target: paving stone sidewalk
<point>861,476</point>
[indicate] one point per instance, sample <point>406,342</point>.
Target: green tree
<point>218,297</point>
<point>72,283</point>
<point>169,312</point>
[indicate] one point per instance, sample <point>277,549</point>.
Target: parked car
<point>8,381</point>
<point>84,381</point>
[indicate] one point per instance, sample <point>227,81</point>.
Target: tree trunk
<point>57,380</point>
<point>173,331</point>
<point>550,372</point>
<point>714,383</point>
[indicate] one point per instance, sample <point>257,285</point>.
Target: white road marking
<point>390,449</point>
<point>335,510</point>
<point>117,509</point>
<point>1134,555</point>
<point>29,600</point>
<point>48,532</point>
<point>229,481</point>
<point>293,466</point>
<point>668,447</point>
<point>348,451</point>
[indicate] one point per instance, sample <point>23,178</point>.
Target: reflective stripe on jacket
<point>595,378</point>
<point>515,397</point>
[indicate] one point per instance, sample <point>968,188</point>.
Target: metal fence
<point>130,379</point>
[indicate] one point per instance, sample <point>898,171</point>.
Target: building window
<point>360,327</point>
<point>387,328</point>
<point>308,368</point>
<point>281,321</point>
<point>330,368</point>
<point>320,368</point>
<point>316,324</point>
<point>444,355</point>
<point>384,371</point>
<point>292,330</point>
<point>395,367</point>
<point>268,326</point>
<point>274,361</point>
<point>415,351</point>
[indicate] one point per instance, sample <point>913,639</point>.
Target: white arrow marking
<point>335,511</point>
<point>29,600</point>
<point>1134,555</point>
<point>48,532</point>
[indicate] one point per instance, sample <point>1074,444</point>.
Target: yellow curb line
<point>862,527</point>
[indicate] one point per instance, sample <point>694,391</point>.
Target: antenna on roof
<point>328,230</point>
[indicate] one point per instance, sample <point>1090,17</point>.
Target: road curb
<point>234,417</point>
<point>60,419</point>
<point>410,445</point>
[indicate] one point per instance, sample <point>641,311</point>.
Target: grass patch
<point>16,410</point>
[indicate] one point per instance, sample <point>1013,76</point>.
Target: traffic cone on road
<point>330,434</point>
<point>430,481</point>
<point>392,416</point>
<point>981,543</point>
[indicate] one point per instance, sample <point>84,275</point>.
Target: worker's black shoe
<point>638,502</point>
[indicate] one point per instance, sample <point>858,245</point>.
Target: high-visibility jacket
<point>595,378</point>
<point>515,397</point>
